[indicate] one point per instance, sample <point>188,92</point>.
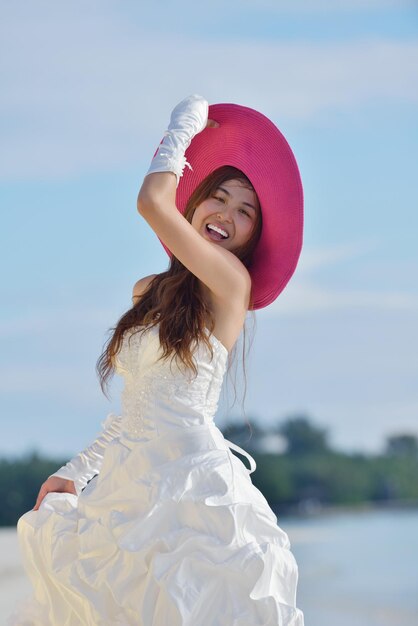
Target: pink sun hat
<point>249,141</point>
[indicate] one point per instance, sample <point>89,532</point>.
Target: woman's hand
<point>54,483</point>
<point>188,118</point>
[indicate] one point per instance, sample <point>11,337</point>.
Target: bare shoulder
<point>141,285</point>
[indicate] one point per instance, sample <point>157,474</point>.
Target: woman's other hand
<point>54,483</point>
<point>212,124</point>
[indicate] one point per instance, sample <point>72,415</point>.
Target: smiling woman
<point>233,212</point>
<point>158,504</point>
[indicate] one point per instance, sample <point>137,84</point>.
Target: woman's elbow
<point>158,188</point>
<point>146,200</point>
<point>141,203</point>
<point>149,196</point>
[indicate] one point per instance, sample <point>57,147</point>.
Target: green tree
<point>402,445</point>
<point>20,481</point>
<point>303,437</point>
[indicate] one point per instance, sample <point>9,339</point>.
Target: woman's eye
<point>222,200</point>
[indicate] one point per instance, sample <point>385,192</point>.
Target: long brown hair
<point>173,299</point>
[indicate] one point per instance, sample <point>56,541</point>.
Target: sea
<point>356,568</point>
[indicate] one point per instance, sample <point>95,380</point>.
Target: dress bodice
<point>159,395</point>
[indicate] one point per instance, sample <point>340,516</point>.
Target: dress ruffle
<point>186,541</point>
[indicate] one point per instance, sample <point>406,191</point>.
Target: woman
<point>157,522</point>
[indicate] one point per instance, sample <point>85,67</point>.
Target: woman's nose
<point>224,216</point>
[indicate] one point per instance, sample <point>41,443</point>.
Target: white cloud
<point>312,259</point>
<point>305,299</point>
<point>51,321</point>
<point>304,296</point>
<point>95,94</point>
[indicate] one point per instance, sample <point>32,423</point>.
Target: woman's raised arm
<point>219,269</point>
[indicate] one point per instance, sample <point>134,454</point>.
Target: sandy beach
<point>13,584</point>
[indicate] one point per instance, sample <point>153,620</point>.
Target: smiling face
<point>231,208</point>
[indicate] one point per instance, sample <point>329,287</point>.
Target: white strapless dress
<point>167,528</point>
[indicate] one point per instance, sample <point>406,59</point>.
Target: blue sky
<point>87,91</point>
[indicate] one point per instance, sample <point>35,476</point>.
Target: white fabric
<point>188,118</point>
<point>87,463</point>
<point>172,530</point>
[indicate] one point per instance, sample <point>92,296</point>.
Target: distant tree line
<point>309,472</point>
<point>305,472</point>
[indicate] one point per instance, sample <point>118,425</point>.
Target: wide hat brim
<point>249,141</point>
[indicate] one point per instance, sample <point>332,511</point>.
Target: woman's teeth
<point>221,232</point>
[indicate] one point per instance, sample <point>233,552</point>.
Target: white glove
<point>188,119</point>
<point>89,462</point>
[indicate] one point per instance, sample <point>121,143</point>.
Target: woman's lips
<point>214,235</point>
